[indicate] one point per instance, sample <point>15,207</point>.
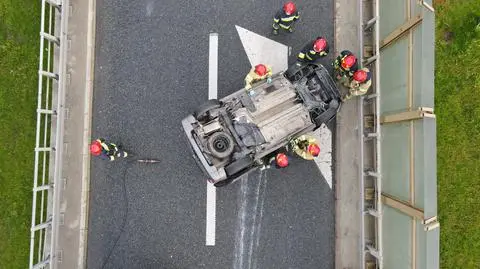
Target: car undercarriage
<point>230,136</point>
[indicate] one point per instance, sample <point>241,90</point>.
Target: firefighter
<point>257,73</point>
<point>285,18</point>
<point>360,83</point>
<point>277,159</point>
<point>345,65</point>
<point>106,150</point>
<point>314,50</point>
<point>305,146</point>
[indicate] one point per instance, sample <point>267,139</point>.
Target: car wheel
<point>201,113</point>
<point>220,145</point>
<point>238,166</point>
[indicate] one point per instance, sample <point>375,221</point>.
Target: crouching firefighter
<point>344,66</point>
<point>256,74</point>
<point>106,150</point>
<point>360,83</point>
<point>314,50</point>
<point>305,146</point>
<point>277,159</point>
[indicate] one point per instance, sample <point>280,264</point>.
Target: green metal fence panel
<point>427,247</point>
<point>393,80</point>
<point>395,159</point>
<point>426,166</point>
<point>421,245</point>
<point>392,15</point>
<point>432,249</point>
<point>397,236</point>
<point>407,243</point>
<point>424,61</point>
<point>415,8</point>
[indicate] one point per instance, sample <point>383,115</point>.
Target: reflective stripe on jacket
<point>300,144</point>
<point>337,64</point>
<point>285,21</point>
<point>310,54</point>
<point>357,89</point>
<point>253,77</point>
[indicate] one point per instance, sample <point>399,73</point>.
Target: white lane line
<point>211,218</point>
<point>212,94</point>
<point>213,66</point>
<point>324,160</point>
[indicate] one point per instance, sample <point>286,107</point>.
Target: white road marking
<point>213,66</point>
<point>212,94</point>
<point>149,8</point>
<point>324,160</point>
<point>259,228</point>
<point>254,221</point>
<point>211,215</point>
<point>241,225</point>
<point>260,49</point>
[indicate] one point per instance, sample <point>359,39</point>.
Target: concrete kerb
<point>347,189</point>
<point>71,244</point>
<point>82,255</point>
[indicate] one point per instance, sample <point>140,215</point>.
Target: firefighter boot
<point>122,153</point>
<point>275,29</point>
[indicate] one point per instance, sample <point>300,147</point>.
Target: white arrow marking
<point>260,49</point>
<point>324,160</point>
<point>263,50</point>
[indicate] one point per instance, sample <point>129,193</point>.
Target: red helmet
<point>348,61</point>
<point>319,44</point>
<point>282,160</point>
<point>360,75</point>
<point>95,148</point>
<point>313,149</point>
<point>261,69</point>
<point>289,8</point>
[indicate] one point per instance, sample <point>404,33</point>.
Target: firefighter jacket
<point>283,20</point>
<point>357,88</point>
<point>309,54</point>
<point>253,77</point>
<point>300,144</point>
<point>337,64</point>
<point>108,149</point>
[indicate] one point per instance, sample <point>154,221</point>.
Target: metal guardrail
<point>48,139</point>
<point>372,248</point>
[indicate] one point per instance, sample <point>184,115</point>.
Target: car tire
<point>201,113</point>
<point>236,167</point>
<point>220,145</point>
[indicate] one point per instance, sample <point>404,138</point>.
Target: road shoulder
<point>347,223</point>
<point>72,239</point>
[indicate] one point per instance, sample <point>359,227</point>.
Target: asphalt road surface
<point>151,70</point>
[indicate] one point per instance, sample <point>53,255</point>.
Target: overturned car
<point>230,136</point>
